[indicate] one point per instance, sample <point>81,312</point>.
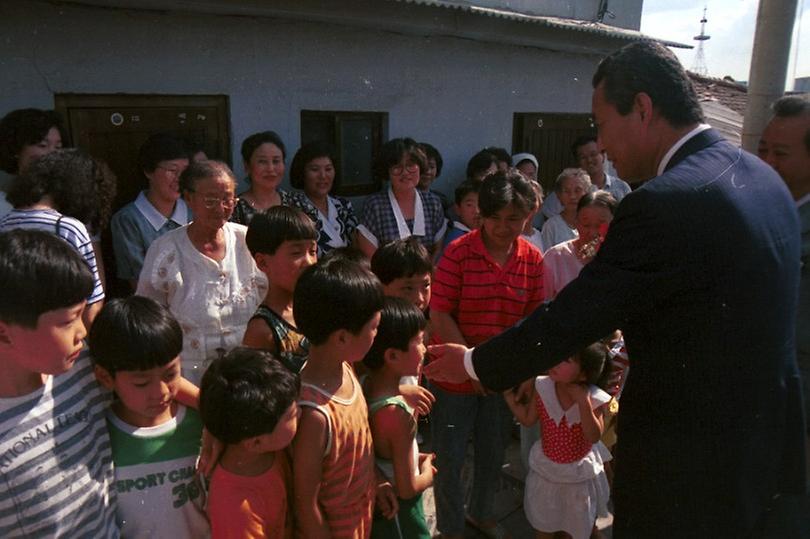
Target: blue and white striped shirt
<point>56,470</point>
<point>69,229</point>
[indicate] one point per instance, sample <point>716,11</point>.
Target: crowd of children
<point>311,424</point>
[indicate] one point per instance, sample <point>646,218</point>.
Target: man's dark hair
<point>401,258</point>
<point>432,153</point>
<point>480,162</point>
<point>162,147</point>
<point>500,189</point>
<point>335,294</point>
<point>24,127</point>
<point>39,272</point>
<point>245,394</point>
<point>77,184</point>
<point>302,158</point>
<point>250,144</point>
<point>269,229</point>
<point>465,188</point>
<point>791,106</point>
<point>134,334</point>
<point>653,69</point>
<point>579,142</point>
<point>400,321</point>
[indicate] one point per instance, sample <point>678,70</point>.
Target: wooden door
<point>549,137</point>
<point>113,127</point>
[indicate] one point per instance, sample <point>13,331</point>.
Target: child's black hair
<point>245,394</point>
<point>500,154</point>
<point>465,188</point>
<point>335,294</point>
<point>500,189</point>
<point>350,253</point>
<point>134,334</point>
<point>593,360</point>
<point>401,258</point>
<point>39,272</point>
<point>400,321</point>
<point>269,229</point>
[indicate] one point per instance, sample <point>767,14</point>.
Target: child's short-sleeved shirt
<point>159,493</point>
<point>55,459</point>
<point>69,229</point>
<point>291,345</point>
<point>481,296</point>
<point>240,506</point>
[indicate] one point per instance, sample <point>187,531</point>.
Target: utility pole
<point>769,62</point>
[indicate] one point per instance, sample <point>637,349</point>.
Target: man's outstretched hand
<point>447,364</point>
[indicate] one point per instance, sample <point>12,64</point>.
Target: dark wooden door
<point>113,127</point>
<point>549,137</point>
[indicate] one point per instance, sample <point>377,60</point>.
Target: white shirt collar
<point>418,215</point>
<point>155,218</point>
<point>662,166</point>
<point>545,389</point>
<point>803,200</point>
<point>461,226</point>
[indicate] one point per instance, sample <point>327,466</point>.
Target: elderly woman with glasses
<point>203,272</point>
<point>401,210</point>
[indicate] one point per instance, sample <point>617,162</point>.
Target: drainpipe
<point>769,62</point>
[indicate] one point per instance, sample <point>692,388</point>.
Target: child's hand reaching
<point>418,398</point>
<point>426,461</point>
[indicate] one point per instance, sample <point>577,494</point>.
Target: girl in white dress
<point>566,488</point>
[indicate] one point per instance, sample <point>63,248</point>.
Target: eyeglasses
<point>212,202</point>
<point>175,172</point>
<point>396,170</point>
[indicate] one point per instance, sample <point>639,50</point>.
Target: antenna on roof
<point>699,66</point>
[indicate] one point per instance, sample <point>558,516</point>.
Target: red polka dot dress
<point>566,488</point>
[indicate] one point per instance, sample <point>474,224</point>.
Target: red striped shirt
<point>481,296</point>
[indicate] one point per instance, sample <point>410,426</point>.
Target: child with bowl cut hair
<point>247,401</point>
<point>136,343</point>
<point>337,307</point>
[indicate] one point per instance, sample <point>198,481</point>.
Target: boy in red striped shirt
<point>485,282</point>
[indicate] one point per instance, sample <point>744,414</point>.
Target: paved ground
<point>509,497</point>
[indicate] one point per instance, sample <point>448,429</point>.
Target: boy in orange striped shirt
<point>337,307</point>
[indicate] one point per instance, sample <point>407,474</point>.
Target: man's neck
<point>599,180</point>
<point>669,136</point>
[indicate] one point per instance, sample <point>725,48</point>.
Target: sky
<point>731,25</point>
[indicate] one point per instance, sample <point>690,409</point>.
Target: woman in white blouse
<point>203,271</point>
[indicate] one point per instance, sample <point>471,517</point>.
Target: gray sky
<point>731,25</point>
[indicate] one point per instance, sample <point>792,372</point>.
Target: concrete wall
<point>458,94</point>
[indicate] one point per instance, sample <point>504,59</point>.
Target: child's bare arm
<point>418,398</point>
<point>395,426</point>
<point>591,420</point>
<point>308,447</point>
<point>188,394</point>
<point>259,335</point>
<point>520,400</point>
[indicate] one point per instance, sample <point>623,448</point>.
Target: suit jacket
<point>700,270</point>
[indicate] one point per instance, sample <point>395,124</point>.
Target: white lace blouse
<point>213,301</point>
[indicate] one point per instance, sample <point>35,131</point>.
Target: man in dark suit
<point>700,270</point>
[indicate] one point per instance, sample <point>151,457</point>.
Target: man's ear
<point>103,376</point>
<point>643,105</point>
